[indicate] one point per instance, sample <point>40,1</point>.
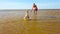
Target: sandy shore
<point>45,22</point>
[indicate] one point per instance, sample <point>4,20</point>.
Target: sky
<point>27,4</point>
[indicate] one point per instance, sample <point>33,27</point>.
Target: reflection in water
<point>30,27</point>
<point>34,28</point>
<point>27,27</point>
<point>34,18</point>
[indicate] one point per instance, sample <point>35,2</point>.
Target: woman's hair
<point>34,4</point>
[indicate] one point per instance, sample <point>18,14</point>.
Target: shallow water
<point>45,22</point>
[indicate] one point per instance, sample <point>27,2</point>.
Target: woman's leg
<point>34,11</point>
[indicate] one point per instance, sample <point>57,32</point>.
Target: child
<point>26,17</point>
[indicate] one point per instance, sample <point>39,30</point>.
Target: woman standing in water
<point>35,9</point>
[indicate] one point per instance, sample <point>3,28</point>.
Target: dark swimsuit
<point>35,8</point>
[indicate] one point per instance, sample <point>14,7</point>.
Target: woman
<point>35,8</point>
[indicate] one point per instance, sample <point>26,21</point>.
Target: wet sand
<point>45,22</point>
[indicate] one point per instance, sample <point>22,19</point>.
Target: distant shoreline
<point>25,9</point>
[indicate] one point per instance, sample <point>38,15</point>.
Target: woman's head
<point>33,3</point>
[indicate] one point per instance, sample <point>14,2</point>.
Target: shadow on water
<point>34,18</point>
